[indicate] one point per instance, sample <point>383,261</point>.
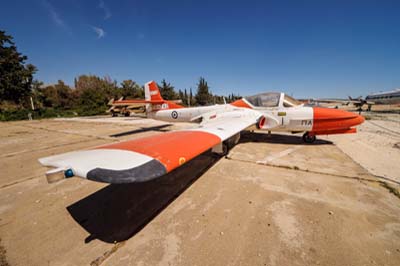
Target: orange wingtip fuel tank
<point>334,121</point>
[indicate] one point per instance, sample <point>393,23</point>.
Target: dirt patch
<point>3,259</point>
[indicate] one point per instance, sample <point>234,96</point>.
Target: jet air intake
<point>266,122</point>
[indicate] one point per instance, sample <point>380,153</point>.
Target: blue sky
<point>305,48</point>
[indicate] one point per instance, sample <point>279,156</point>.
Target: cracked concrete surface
<point>318,207</point>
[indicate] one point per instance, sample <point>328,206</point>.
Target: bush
<point>23,114</point>
<point>12,115</point>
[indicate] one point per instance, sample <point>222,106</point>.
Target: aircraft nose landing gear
<point>308,138</point>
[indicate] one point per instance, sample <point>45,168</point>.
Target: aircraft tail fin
<point>153,95</point>
<point>359,98</point>
<point>151,92</point>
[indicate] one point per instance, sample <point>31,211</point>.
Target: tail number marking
<point>160,106</point>
<point>306,122</point>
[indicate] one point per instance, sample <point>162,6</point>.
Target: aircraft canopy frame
<point>272,100</point>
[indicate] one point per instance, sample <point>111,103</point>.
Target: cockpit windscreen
<point>270,99</point>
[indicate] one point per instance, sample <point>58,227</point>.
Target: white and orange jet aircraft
<point>219,129</point>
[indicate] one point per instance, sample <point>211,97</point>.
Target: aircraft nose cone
<point>334,119</point>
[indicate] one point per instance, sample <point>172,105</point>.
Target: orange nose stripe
<point>334,119</point>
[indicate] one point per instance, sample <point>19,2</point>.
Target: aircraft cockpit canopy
<point>272,99</point>
<point>269,99</point>
<point>290,102</point>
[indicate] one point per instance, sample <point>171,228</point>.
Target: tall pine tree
<point>15,76</point>
<point>203,95</point>
<point>167,91</point>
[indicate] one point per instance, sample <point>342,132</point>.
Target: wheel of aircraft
<point>225,150</point>
<point>219,127</point>
<point>307,138</point>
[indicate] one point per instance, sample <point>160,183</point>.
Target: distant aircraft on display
<point>358,102</point>
<point>385,97</point>
<point>219,129</point>
<point>126,107</point>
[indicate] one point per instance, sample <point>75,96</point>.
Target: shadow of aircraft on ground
<point>117,212</point>
<point>278,139</point>
<point>141,130</point>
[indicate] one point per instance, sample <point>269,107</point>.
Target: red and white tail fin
<point>153,95</point>
<point>151,92</point>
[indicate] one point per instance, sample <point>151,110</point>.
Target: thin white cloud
<point>99,31</point>
<point>107,12</point>
<point>54,15</point>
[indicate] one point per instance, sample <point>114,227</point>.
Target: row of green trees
<point>92,92</point>
<point>89,96</point>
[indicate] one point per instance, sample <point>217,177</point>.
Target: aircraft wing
<point>360,102</point>
<point>150,157</point>
<point>131,105</point>
<point>331,101</point>
<point>355,101</point>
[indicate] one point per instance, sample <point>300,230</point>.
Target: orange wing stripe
<point>172,149</point>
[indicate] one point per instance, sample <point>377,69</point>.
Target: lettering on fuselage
<point>306,122</point>
<point>160,106</point>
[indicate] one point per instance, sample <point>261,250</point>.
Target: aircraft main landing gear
<point>307,138</point>
<point>223,148</point>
